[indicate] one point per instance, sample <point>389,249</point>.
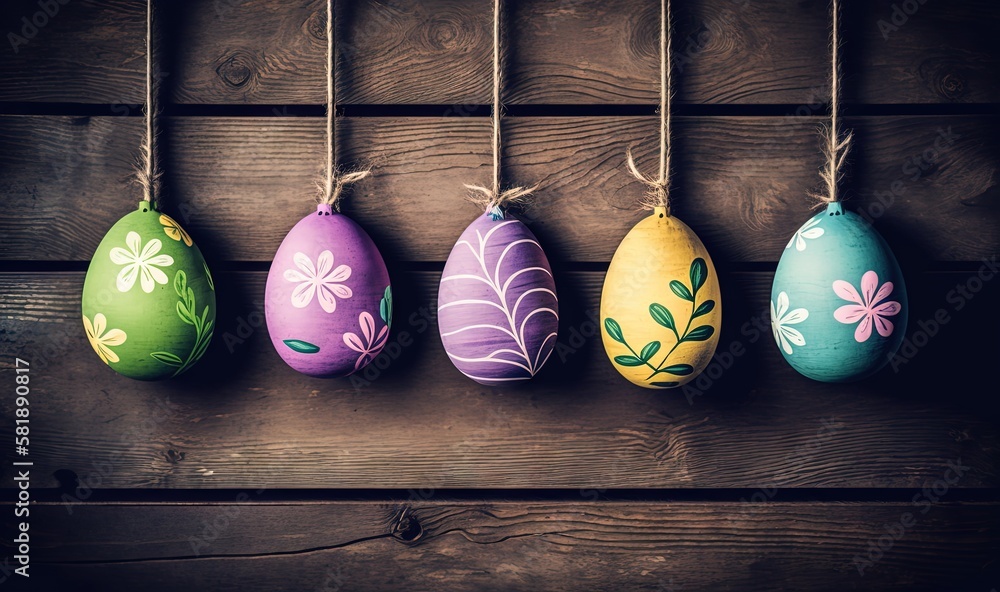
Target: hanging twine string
<point>335,180</point>
<point>658,194</point>
<point>835,144</point>
<point>492,199</point>
<point>147,168</point>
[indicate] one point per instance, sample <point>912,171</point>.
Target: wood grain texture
<point>244,422</point>
<point>443,545</point>
<point>740,183</point>
<point>561,51</point>
<point>241,418</point>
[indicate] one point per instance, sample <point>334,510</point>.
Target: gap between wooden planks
<point>567,51</point>
<point>244,419</point>
<point>246,545</point>
<point>928,182</point>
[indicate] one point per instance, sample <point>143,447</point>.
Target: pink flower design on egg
<point>371,345</point>
<point>321,280</point>
<point>871,307</point>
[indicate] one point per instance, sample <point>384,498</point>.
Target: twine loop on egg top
<point>147,165</point>
<point>658,187</point>
<point>336,180</point>
<point>836,144</point>
<point>495,204</point>
<point>492,199</point>
<point>333,187</point>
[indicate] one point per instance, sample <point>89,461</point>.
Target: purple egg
<point>497,308</point>
<point>328,303</point>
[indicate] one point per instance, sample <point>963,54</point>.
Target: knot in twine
<point>657,188</point>
<point>336,180</point>
<point>496,203</point>
<point>492,199</point>
<point>333,186</point>
<point>836,144</point>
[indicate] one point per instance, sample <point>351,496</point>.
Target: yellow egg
<point>661,307</point>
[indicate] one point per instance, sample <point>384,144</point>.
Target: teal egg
<point>838,301</point>
<point>148,298</point>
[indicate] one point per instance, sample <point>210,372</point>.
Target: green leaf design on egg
<point>649,351</point>
<point>662,316</point>
<point>385,306</point>
<point>147,280</point>
<point>704,308</point>
<point>629,361</point>
<point>208,277</point>
<point>614,330</point>
<point>167,358</point>
<point>701,333</point>
<point>681,290</point>
<point>679,369</point>
<point>699,275</point>
<point>187,310</point>
<point>303,347</point>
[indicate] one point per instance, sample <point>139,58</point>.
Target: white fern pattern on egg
<point>500,307</point>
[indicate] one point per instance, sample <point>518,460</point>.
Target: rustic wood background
<point>244,475</point>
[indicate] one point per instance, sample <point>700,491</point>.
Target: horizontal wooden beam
<point>929,183</point>
<point>425,544</point>
<point>241,418</point>
<point>560,51</point>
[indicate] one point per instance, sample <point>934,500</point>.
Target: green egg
<point>148,298</point>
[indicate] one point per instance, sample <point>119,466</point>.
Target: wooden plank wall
<point>244,475</point>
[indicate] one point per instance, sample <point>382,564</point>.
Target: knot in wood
<point>943,77</point>
<point>443,34</point>
<point>407,528</point>
<point>315,25</point>
<point>446,32</point>
<point>644,35</point>
<point>237,69</point>
<point>952,86</point>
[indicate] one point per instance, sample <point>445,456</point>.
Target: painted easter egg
<point>661,304</point>
<point>328,303</point>
<point>497,307</point>
<point>838,302</point>
<point>148,298</point>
